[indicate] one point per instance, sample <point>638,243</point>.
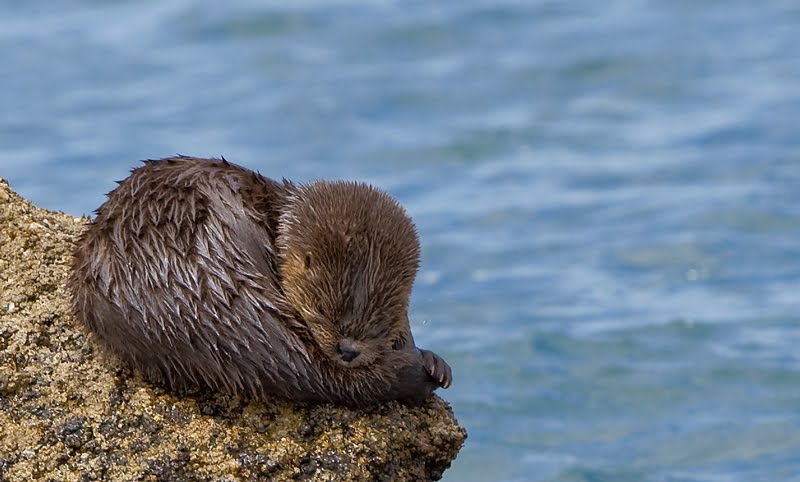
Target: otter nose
<point>347,351</point>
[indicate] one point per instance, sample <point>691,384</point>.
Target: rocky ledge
<point>69,411</point>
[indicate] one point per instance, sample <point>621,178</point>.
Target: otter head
<point>348,254</point>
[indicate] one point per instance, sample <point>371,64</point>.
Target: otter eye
<point>322,311</point>
<point>307,260</point>
<point>397,344</point>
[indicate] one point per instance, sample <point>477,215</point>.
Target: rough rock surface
<point>70,412</point>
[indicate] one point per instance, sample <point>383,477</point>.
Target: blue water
<point>608,193</point>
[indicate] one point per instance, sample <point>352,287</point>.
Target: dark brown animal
<point>201,272</point>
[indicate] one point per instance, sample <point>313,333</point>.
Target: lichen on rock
<point>69,411</point>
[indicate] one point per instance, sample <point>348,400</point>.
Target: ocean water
<point>607,193</point>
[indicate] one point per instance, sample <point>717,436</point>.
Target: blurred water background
<point>606,193</point>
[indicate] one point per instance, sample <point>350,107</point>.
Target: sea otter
<point>199,272</point>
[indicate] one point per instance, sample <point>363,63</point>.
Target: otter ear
<point>307,260</point>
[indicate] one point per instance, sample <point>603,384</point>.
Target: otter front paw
<point>437,368</point>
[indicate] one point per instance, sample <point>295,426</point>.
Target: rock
<point>69,411</point>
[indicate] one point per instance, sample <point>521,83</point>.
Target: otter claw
<point>447,376</point>
<point>438,369</point>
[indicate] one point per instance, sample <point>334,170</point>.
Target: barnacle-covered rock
<point>71,412</point>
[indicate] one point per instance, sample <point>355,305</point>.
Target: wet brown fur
<point>201,272</point>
